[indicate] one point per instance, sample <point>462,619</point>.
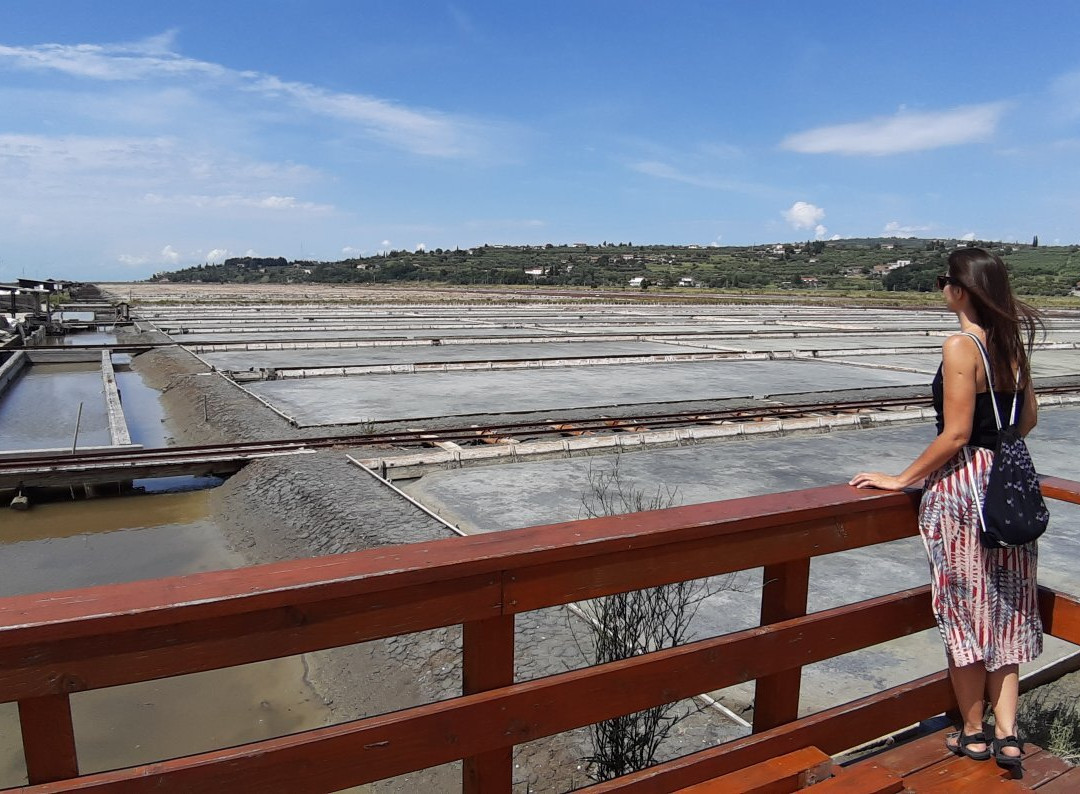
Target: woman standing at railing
<point>984,600</point>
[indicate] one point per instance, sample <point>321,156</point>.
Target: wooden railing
<point>54,644</point>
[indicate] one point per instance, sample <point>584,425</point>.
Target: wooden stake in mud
<point>205,411</point>
<point>78,421</point>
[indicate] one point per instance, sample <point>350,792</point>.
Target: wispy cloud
<point>161,158</point>
<point>897,229</point>
<point>903,132</point>
<point>235,200</point>
<point>1065,93</point>
<point>420,131</point>
<point>505,223</point>
<point>662,170</point>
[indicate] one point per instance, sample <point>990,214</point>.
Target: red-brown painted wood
<point>783,596</point>
<point>108,609</point>
<point>65,642</point>
<point>112,658</point>
<point>55,643</point>
<point>1058,488</point>
<point>488,663</point>
<point>788,772</point>
<point>1066,783</point>
<point>327,759</point>
<point>832,731</point>
<point>48,738</point>
<point>912,756</point>
<point>1041,766</point>
<point>867,778</point>
<point>619,570</point>
<point>1060,615</point>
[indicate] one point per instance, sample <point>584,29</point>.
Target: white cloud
<point>835,237</point>
<point>820,231</point>
<point>385,243</point>
<point>803,215</point>
<point>903,132</point>
<point>143,169</point>
<point>969,236</point>
<point>660,170</point>
<point>272,203</point>
<point>350,251</point>
<point>218,255</point>
<point>421,246</point>
<point>897,229</point>
<point>1065,92</point>
<point>418,130</point>
<point>505,224</point>
<point>167,256</point>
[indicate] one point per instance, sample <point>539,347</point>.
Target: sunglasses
<point>942,281</point>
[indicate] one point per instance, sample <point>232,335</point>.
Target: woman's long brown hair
<point>1010,324</point>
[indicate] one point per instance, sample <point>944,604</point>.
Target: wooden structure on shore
<point>52,645</point>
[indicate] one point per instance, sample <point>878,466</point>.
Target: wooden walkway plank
<point>1041,766</point>
<point>956,774</point>
<point>1065,783</point>
<point>865,778</point>
<point>927,766</point>
<point>910,757</point>
<point>784,773</point>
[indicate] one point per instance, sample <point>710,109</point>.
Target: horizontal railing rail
<point>54,644</point>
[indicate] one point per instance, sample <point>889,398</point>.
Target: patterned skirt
<point>985,600</point>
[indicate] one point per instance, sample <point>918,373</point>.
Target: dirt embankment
<point>308,505</point>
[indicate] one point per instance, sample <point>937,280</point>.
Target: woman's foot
<point>1008,751</point>
<point>973,745</point>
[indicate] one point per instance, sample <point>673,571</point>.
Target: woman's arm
<point>960,366</point>
<point>1029,415</point>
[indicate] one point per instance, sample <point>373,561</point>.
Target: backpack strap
<point>968,466</point>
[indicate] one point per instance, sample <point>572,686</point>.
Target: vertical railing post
<point>48,739</point>
<point>776,697</point>
<point>488,663</point>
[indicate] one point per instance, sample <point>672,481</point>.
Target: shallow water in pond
<point>41,408</point>
<point>65,545</point>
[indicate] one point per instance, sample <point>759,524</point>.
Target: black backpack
<point>1012,512</point>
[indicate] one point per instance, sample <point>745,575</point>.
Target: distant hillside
<point>890,264</point>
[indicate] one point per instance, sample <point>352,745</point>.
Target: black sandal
<point>1008,761</point>
<point>965,739</point>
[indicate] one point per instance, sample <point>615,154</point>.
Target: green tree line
<point>871,264</point>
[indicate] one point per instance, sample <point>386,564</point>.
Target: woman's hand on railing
<point>875,479</point>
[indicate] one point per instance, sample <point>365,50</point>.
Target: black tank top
<point>984,432</point>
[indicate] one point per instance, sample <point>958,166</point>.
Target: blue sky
<point>142,136</point>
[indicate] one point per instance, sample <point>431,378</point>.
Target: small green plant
<point>1052,723</point>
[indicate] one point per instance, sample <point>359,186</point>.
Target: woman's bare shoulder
<point>960,349</point>
<point>959,342</point>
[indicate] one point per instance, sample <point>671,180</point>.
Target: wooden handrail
<point>56,643</point>
<point>71,641</point>
<point>1060,489</point>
